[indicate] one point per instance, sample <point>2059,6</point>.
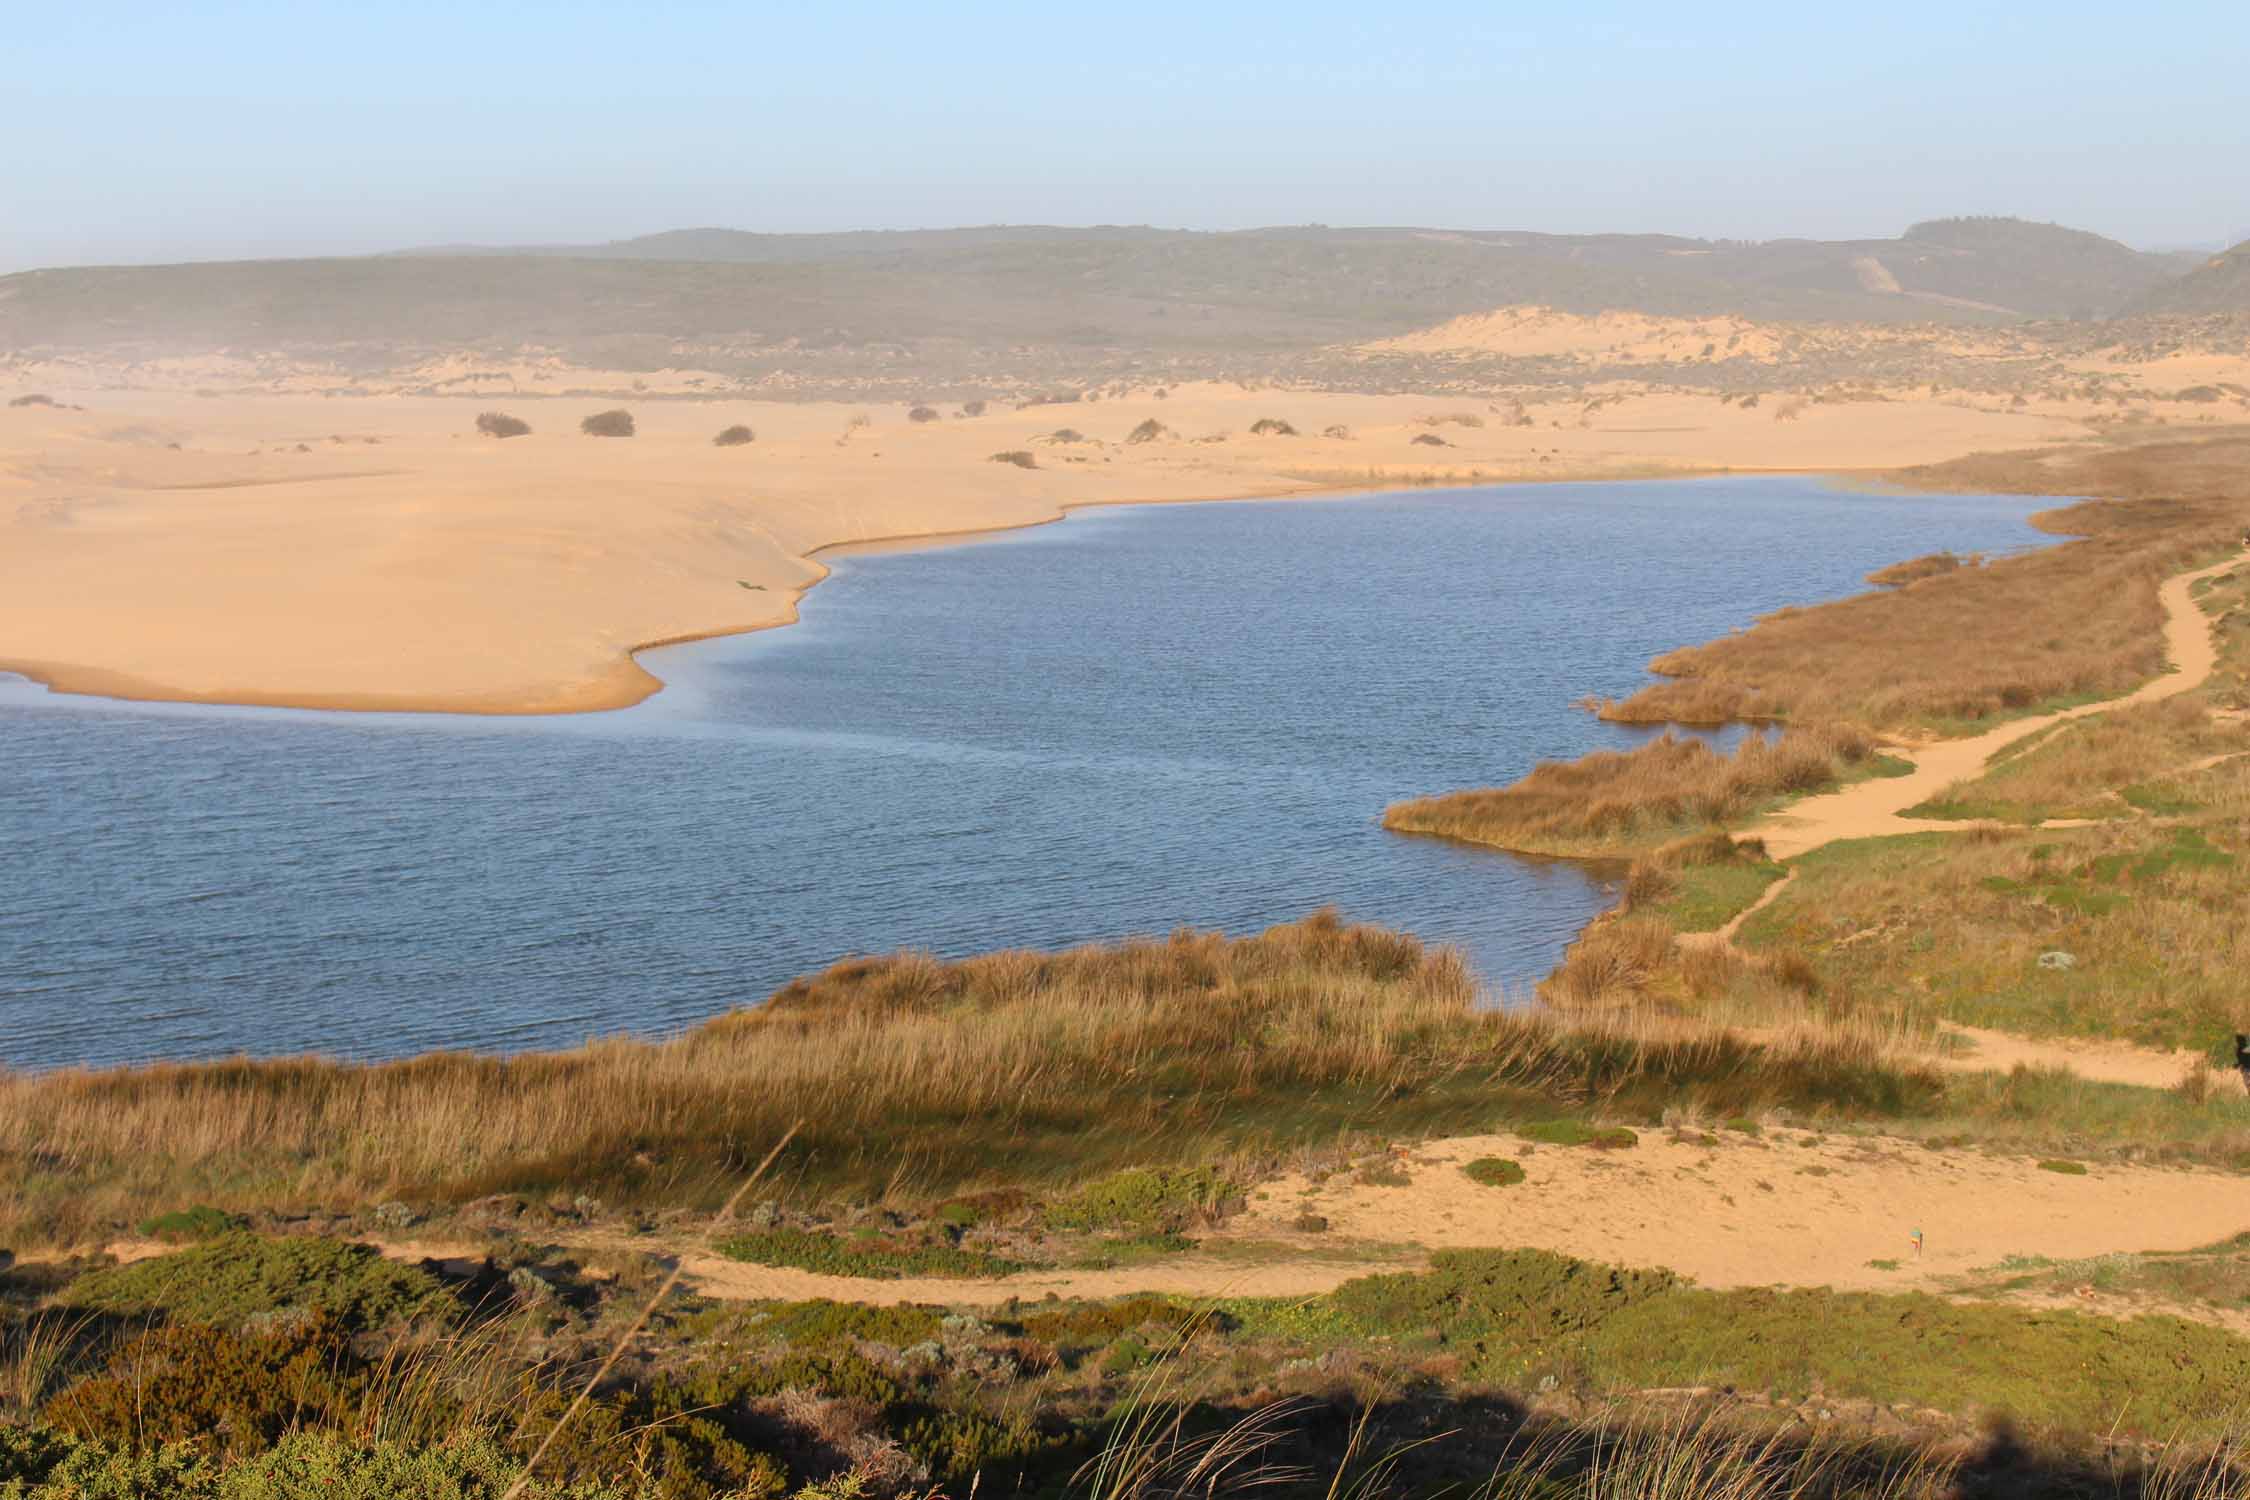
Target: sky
<point>156,132</point>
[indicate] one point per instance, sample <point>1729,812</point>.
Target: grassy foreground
<point>316,1369</point>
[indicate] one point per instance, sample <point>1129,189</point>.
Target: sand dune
<point>376,553</point>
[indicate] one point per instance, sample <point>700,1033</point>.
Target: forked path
<point>1873,808</point>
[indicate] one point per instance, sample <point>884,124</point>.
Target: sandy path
<point>1874,808</point>
<point>1785,1208</point>
<point>2094,1060</point>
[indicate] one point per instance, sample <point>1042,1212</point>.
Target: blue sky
<point>157,132</point>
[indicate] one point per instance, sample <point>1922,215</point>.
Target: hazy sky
<point>170,131</point>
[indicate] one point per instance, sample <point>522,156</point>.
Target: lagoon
<point>1137,718</point>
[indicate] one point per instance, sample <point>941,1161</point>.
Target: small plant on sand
<point>922,414</point>
<point>617,423</point>
<point>1271,427</point>
<point>972,408</point>
<point>1430,440</point>
<point>498,424</point>
<point>1578,1133</point>
<point>1022,458</point>
<point>2065,1168</point>
<point>734,437</point>
<point>1148,432</point>
<point>1494,1171</point>
<point>1066,435</point>
<point>34,399</point>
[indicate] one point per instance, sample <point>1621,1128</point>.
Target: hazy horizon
<point>264,130</point>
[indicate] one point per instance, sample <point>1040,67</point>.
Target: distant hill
<point>1141,295</point>
<point>2220,285</point>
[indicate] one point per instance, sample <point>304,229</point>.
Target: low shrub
<point>1020,457</point>
<point>972,408</point>
<point>237,1276</point>
<point>610,424</point>
<point>922,414</point>
<point>877,1259</point>
<point>1430,440</point>
<point>1271,427</point>
<point>182,1225</point>
<point>1143,1198</point>
<point>498,424</point>
<point>1148,432</point>
<point>2066,1168</point>
<point>734,437</point>
<point>226,1393</point>
<point>34,399</point>
<point>1494,1171</point>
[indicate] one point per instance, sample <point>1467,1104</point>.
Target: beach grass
<point>913,1080</point>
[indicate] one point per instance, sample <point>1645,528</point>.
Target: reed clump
<point>1615,802</point>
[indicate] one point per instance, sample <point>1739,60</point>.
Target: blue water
<point>1137,718</point>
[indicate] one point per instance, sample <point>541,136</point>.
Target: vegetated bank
<point>2117,928</point>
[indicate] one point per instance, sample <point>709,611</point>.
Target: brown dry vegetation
<point>1614,801</point>
<point>2100,767</point>
<point>909,1076</point>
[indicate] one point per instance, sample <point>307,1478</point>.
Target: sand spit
<point>376,553</point>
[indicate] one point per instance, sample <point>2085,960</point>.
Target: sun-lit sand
<point>375,552</point>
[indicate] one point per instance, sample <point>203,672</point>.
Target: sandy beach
<point>375,552</point>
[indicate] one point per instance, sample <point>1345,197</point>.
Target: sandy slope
<point>373,552</point>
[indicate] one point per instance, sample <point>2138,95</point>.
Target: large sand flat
<point>374,552</point>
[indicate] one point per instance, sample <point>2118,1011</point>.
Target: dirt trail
<point>2098,1061</point>
<point>1873,808</point>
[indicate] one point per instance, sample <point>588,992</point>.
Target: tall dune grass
<point>912,1076</point>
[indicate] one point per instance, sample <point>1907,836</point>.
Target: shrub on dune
<point>498,424</point>
<point>615,424</point>
<point>734,437</point>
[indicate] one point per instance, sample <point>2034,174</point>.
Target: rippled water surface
<point>1138,718</point>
